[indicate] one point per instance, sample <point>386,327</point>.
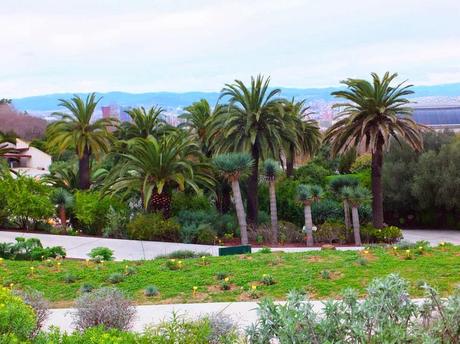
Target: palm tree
<point>234,166</point>
<point>254,123</point>
<point>270,170</point>
<point>355,196</point>
<point>307,195</point>
<point>64,201</point>
<point>198,118</point>
<point>374,112</point>
<point>155,167</point>
<point>77,129</point>
<point>307,137</point>
<point>145,122</point>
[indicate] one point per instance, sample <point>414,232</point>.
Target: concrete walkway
<point>242,313</point>
<point>434,237</point>
<point>79,247</point>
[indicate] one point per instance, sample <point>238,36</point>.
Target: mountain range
<point>48,103</point>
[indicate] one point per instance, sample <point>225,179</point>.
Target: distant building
<point>109,111</point>
<point>27,160</point>
<point>438,117</point>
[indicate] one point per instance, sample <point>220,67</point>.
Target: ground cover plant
<point>200,279</point>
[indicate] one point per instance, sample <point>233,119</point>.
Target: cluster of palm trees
<point>217,145</point>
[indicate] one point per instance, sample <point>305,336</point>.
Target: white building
<point>28,160</point>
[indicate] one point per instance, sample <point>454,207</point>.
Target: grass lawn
<point>440,267</point>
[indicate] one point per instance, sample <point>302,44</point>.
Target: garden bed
<point>322,274</point>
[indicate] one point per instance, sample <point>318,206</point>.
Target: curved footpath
<point>78,247</point>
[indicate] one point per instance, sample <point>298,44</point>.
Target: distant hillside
<point>48,103</point>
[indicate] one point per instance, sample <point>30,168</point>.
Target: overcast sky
<point>185,45</point>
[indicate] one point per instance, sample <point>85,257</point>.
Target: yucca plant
<point>270,172</point>
<point>307,195</point>
<point>355,196</point>
<point>64,201</point>
<point>233,166</point>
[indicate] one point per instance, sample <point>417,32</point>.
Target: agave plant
<point>307,195</point>
<point>233,166</point>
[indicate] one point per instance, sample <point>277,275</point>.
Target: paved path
<point>242,313</point>
<point>78,247</point>
<point>434,236</point>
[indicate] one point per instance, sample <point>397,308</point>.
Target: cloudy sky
<point>184,45</point>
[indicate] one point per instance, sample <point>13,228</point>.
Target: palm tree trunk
<point>62,216</point>
<point>308,224</point>
<point>273,211</point>
<point>84,170</point>
<point>223,199</point>
<point>240,211</point>
<point>377,193</point>
<point>290,161</point>
<point>346,210</point>
<point>253,184</point>
<point>161,203</point>
<point>356,229</point>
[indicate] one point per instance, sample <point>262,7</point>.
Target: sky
<point>199,45</point>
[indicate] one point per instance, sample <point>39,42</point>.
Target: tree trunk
<point>161,203</point>
<point>253,184</point>
<point>377,193</point>
<point>290,157</point>
<point>356,232</point>
<point>240,211</point>
<point>308,224</point>
<point>223,200</point>
<point>346,210</point>
<point>62,216</point>
<point>273,211</point>
<point>84,170</point>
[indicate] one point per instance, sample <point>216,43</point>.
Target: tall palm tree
<point>198,118</point>
<point>254,123</point>
<point>270,171</point>
<point>374,112</point>
<point>307,195</point>
<point>234,166</point>
<point>355,196</point>
<point>155,167</point>
<point>144,122</point>
<point>76,129</point>
<point>307,137</point>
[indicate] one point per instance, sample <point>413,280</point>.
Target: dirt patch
<point>245,257</point>
<point>218,289</point>
<point>314,259</point>
<point>368,255</point>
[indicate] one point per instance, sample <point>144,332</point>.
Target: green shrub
<point>86,288</point>
<point>289,232</point>
<point>265,250</point>
<point>331,232</point>
<point>153,227</point>
<point>70,278</point>
<point>206,235</point>
<point>16,318</point>
<point>150,291</point>
<point>28,200</point>
<point>104,252</point>
<point>221,275</point>
<point>29,249</point>
<point>362,162</point>
<point>311,174</point>
<point>190,221</point>
<point>387,235</point>
<point>115,278</point>
<point>183,254</point>
<point>267,279</point>
<point>182,201</point>
<point>325,210</point>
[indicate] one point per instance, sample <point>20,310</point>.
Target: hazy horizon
<point>180,46</point>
